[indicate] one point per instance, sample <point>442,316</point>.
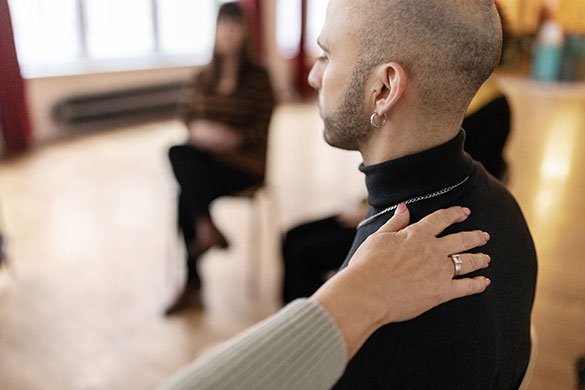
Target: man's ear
<point>390,84</point>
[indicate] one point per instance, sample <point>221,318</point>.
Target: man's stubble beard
<point>348,126</point>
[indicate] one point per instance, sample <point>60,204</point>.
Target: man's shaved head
<point>448,47</point>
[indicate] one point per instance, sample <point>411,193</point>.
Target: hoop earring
<point>378,125</point>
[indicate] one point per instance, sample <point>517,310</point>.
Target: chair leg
<point>254,246</point>
<point>260,204</point>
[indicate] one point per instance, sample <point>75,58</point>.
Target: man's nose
<point>314,77</point>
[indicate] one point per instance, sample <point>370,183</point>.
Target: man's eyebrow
<point>322,45</point>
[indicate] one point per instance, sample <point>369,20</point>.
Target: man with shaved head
<point>394,79</point>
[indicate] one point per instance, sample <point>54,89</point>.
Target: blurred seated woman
<point>227,117</point>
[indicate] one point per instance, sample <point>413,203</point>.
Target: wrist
<point>357,318</point>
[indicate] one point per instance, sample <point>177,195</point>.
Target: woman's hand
<point>400,272</point>
<point>214,137</point>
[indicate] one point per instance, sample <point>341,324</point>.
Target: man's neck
<point>392,143</point>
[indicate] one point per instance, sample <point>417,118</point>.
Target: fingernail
<point>489,259</point>
<point>487,236</point>
<point>401,208</point>
<point>466,211</point>
<point>487,282</point>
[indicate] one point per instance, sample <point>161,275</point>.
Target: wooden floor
<point>95,256</point>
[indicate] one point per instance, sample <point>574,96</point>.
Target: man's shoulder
<point>492,195</point>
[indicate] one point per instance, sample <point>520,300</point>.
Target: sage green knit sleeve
<point>299,347</point>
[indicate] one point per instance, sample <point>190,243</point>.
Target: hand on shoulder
<point>402,271</point>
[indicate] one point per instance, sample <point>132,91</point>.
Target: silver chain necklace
<point>412,200</point>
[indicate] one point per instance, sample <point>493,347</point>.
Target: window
<point>288,26</point>
<point>118,29</point>
<point>186,26</point>
<point>65,34</point>
<point>45,31</point>
<point>315,20</point>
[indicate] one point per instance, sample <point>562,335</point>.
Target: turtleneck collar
<point>396,181</point>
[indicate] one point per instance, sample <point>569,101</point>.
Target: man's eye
<point>322,58</point>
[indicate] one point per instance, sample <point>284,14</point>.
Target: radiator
<point>147,103</point>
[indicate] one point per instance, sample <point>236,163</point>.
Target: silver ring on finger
<point>458,263</point>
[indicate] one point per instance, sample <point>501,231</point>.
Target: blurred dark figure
<point>312,251</point>
<point>580,367</point>
<point>487,131</point>
<point>228,118</point>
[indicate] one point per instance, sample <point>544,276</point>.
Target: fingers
<point>464,241</point>
<point>468,286</point>
<point>398,222</point>
<point>471,262</point>
<point>438,221</point>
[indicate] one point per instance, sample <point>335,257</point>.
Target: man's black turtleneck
<point>478,342</point>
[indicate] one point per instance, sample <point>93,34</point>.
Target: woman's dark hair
<point>232,10</point>
<point>210,77</point>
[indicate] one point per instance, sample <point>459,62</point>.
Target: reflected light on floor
<point>556,163</point>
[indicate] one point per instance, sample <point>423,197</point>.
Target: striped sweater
<point>248,109</point>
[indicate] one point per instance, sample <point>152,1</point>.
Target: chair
<point>256,195</point>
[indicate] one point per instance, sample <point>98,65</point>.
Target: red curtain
<point>14,118</point>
